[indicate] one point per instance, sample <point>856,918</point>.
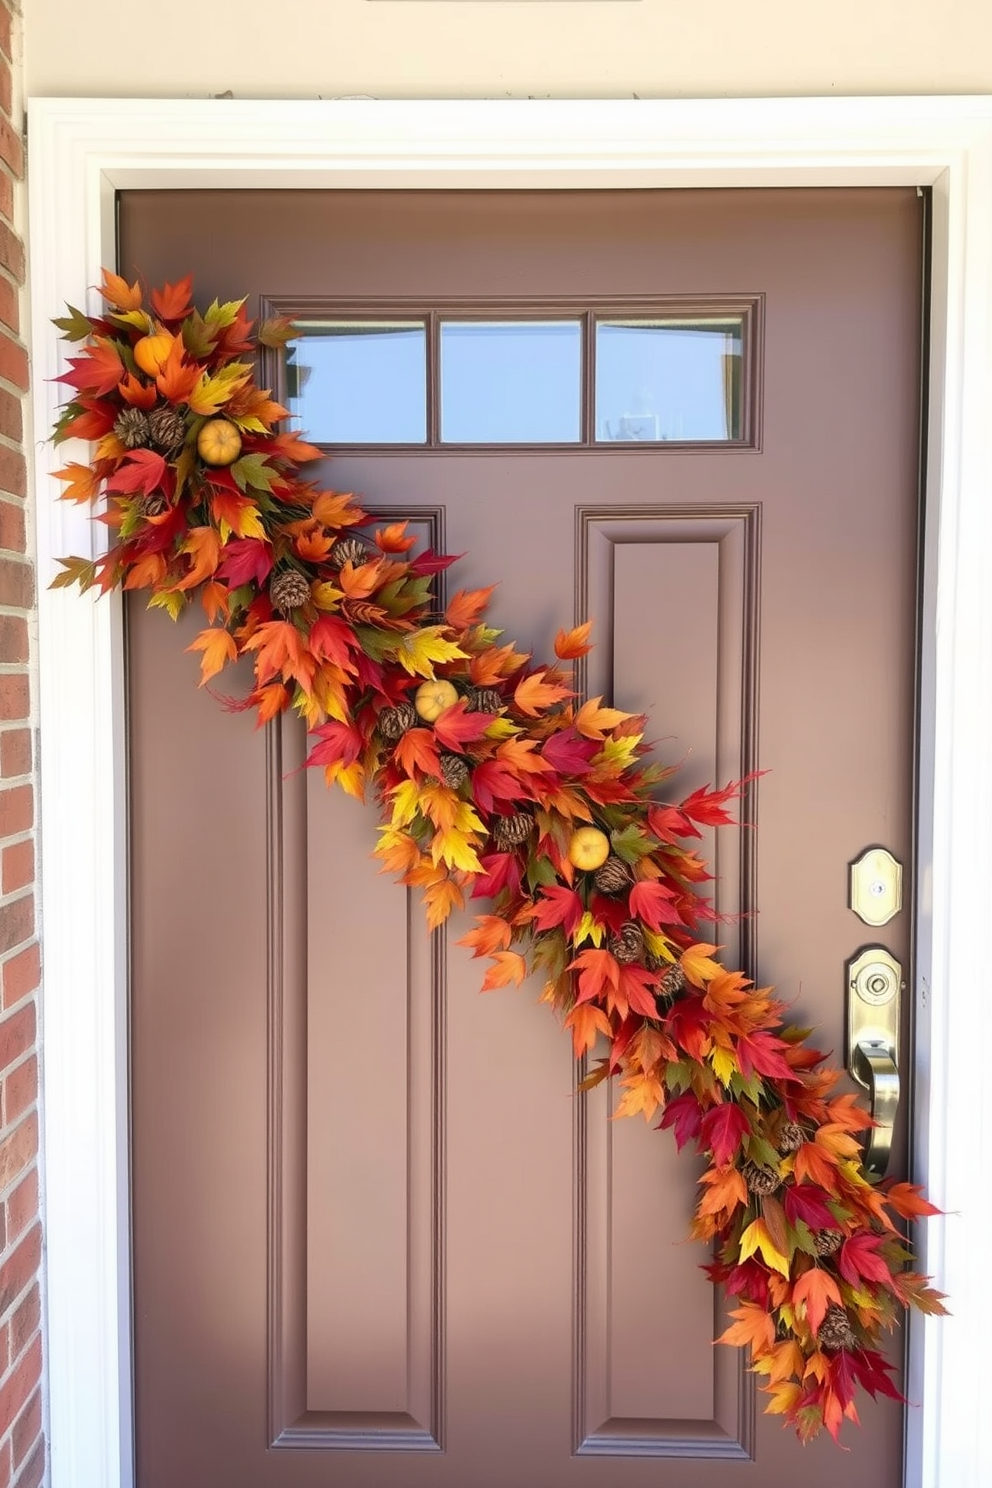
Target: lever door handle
<point>873,1066</point>
<point>874,985</point>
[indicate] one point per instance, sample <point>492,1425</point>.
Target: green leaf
<point>254,471</point>
<point>751,1090</point>
<point>678,1076</point>
<point>761,1151</point>
<point>540,872</point>
<point>631,844</point>
<point>276,332</point>
<point>198,338</point>
<point>223,315</point>
<point>169,600</point>
<point>75,326</point>
<point>81,571</point>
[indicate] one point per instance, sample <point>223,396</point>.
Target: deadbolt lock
<point>876,886</point>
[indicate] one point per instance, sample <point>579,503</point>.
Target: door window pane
<point>511,382</point>
<point>660,380</point>
<point>351,382</point>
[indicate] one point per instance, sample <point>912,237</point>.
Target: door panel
<point>414,1257</point>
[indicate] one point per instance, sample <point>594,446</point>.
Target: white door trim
<point>81,152</point>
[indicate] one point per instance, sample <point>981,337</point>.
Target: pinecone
<point>349,550</point>
<point>835,1331</point>
<point>653,962</point>
<point>613,877</point>
<point>483,700</point>
<point>362,611</point>
<point>672,983</point>
<point>510,831</point>
<point>153,505</point>
<point>288,590</point>
<point>167,429</point>
<point>790,1137</point>
<point>626,946</point>
<point>827,1242</point>
<point>131,428</point>
<point>760,1180</point>
<point>454,769</point>
<point>394,722</point>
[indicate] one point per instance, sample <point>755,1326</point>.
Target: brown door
<point>412,1259</point>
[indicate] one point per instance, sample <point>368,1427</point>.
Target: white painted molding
<point>81,152</point>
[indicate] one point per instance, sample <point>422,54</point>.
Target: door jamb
<point>82,152</point>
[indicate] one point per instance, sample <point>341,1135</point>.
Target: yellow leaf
<point>784,1398</point>
<point>212,392</point>
<point>418,650</point>
<point>351,778</point>
<point>325,596</point>
<point>756,1238</point>
<point>168,600</point>
<point>588,929</point>
<point>724,1065</point>
<point>406,803</point>
<point>698,966</point>
<point>453,848</point>
<point>658,945</point>
<point>618,753</point>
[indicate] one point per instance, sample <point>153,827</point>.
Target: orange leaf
<point>598,971</point>
<point>572,643</point>
<point>82,483</point>
<point>147,572</point>
<point>698,966</point>
<point>441,898</point>
<point>595,722</point>
<point>176,377</point>
<point>118,293</point>
<point>203,546</point>
<point>816,1290</point>
<point>271,701</point>
<point>725,1189</point>
<point>533,694</point>
<point>812,1162</point>
<point>337,509</point>
<point>218,647</point>
<point>908,1201</point>
<point>491,933</point>
<point>467,607</point>
<point>417,750</point>
<point>509,967</point>
<point>172,301</point>
<point>394,538</point>
<point>586,1021</point>
<point>755,1328</point>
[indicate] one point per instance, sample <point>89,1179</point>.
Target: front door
<point>413,1258</point>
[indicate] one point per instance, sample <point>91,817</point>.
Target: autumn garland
<point>494,783</point>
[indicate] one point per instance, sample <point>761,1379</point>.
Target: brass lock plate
<point>876,886</point>
<point>874,984</point>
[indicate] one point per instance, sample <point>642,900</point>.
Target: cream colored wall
<point>497,48</point>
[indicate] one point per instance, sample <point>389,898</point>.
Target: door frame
<point>81,152</point>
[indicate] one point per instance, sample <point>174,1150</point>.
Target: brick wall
<point>22,1444</point>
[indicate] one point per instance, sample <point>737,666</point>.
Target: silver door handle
<point>874,985</point>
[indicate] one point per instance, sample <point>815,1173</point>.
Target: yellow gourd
<point>152,352</point>
<point>432,698</point>
<point>588,849</point>
<point>218,442</point>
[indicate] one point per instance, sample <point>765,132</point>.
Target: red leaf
<point>652,902</point>
<point>684,1117</point>
<point>762,1052</point>
<point>597,971</point>
<point>637,985</point>
<point>858,1257</point>
<point>417,750</point>
<point>429,562</point>
<point>492,782</point>
<point>142,471</point>
<point>341,743</point>
<point>98,372</point>
<point>332,639</point>
<point>708,807</point>
<point>670,825</point>
<point>172,301</point>
<point>456,726</point>
<point>807,1202</point>
<point>557,905</point>
<point>722,1129</point>
<point>502,872</point>
<point>569,753</point>
<point>245,560</point>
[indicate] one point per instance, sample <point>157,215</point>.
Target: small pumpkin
<point>152,352</point>
<point>218,442</point>
<point>432,698</point>
<point>588,849</point>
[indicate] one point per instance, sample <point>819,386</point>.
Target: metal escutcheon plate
<point>876,886</point>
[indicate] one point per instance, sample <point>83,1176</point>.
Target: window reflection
<point>511,382</point>
<point>659,380</point>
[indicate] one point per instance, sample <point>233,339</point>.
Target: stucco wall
<point>496,48</point>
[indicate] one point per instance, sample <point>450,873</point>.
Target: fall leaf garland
<point>487,770</point>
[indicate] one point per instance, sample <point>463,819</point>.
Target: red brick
<point>11,149</point>
<point>13,357</point>
<point>25,1323</point>
<point>10,307</point>
<point>22,1207</point>
<point>18,1149</point>
<point>15,695</point>
<point>11,247</point>
<point>5,32</point>
<point>13,629</point>
<point>5,1464</point>
<point>16,584</point>
<point>17,1037</point>
<point>7,195</point>
<point>16,867</point>
<point>33,1471</point>
<point>27,1429</point>
<point>21,975</point>
<point>16,922</point>
<point>15,752</point>
<point>20,1090</point>
<point>11,524</point>
<point>20,1385</point>
<point>13,470</point>
<point>16,1274</point>
<point>16,810</point>
<point>11,414</point>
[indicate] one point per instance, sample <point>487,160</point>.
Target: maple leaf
<point>456,727</point>
<point>340,743</point>
<point>568,752</point>
<point>708,807</point>
<point>643,1094</point>
<point>82,482</point>
<point>682,1116</point>
<point>75,326</point>
<point>637,988</point>
<point>99,371</point>
<point>785,1396</point>
<point>240,514</point>
<point>858,1260</point>
<point>807,1202</point>
<point>245,561</point>
<point>697,965</point>
<point>754,1329</point>
<point>337,509</point>
<point>652,902</point>
<point>586,1021</point>
<point>595,722</point>
<point>908,1201</point>
<point>420,649</point>
<point>270,701</point>
<point>118,293</point>
<point>725,1190</point>
<point>762,1052</point>
<point>533,695</point>
<point>212,390</point>
<point>202,545</point>
<point>490,933</point>
<point>570,644</point>
<point>143,472</point>
<point>816,1290</point>
<point>598,971</point>
<point>218,647</point>
<point>813,1163</point>
<point>509,967</point>
<point>467,607</point>
<point>756,1239</point>
<point>416,750</point>
<point>332,639</point>
<point>137,393</point>
<point>723,1127</point>
<point>172,301</point>
<point>281,649</point>
<point>557,905</point>
<point>492,782</point>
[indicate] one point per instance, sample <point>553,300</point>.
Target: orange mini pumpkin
<point>152,352</point>
<point>218,442</point>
